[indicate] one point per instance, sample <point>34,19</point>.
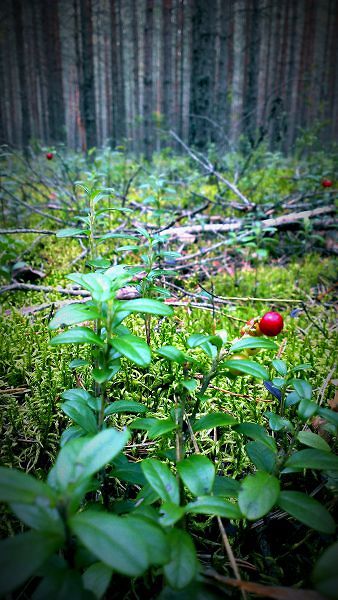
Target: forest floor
<point>215,281</point>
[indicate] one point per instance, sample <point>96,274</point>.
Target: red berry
<point>327,183</point>
<point>49,155</point>
<point>271,324</point>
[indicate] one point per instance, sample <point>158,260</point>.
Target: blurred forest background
<point>88,72</point>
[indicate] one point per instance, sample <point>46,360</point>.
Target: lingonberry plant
<point>100,514</point>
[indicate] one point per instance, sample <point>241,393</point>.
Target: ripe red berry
<point>271,324</point>
<point>327,183</point>
<point>49,155</point>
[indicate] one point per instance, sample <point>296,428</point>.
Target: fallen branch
<point>238,224</point>
<point>266,591</point>
<point>29,287</point>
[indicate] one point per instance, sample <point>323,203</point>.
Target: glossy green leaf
<point>22,555</point>
<point>257,432</point>
<point>73,314</point>
<point>227,487</point>
<point>306,409</point>
<point>161,427</point>
<point>197,473</point>
<point>277,423</point>
<point>134,348</point>
<point>302,387</point>
<point>112,540</point>
<point>214,420</point>
<point>81,414</point>
<point>125,406</point>
<point>253,342</point>
<point>308,438</point>
<point>248,367</point>
<point>161,479</point>
<point>329,415</point>
<point>100,450</point>
<point>183,565</point>
<point>189,384</point>
<point>78,362</point>
<point>81,458</point>
<point>70,232</point>
<point>97,578</point>
<point>313,459</point>
<point>148,306</point>
<point>39,516</point>
<point>261,455</point>
<point>77,335</point>
<point>325,573</point>
<point>280,366</point>
<point>170,514</point>
<point>17,486</point>
<point>154,537</point>
<point>173,354</point>
<point>214,505</point>
<point>307,510</point>
<point>258,494</point>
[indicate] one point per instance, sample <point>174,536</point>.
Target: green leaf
<point>17,486</point>
<point>248,367</point>
<point>112,540</point>
<point>61,584</point>
<point>214,505</point>
<point>100,450</point>
<point>291,399</point>
<point>130,472</point>
<point>77,394</point>
<point>97,578</point>
<point>81,458</point>
<point>78,362</point>
<point>161,480</point>
<point>280,366</point>
<point>22,555</point>
<point>147,305</point>
<point>189,384</point>
<point>197,473</point>
<point>258,494</point>
<point>77,335</point>
<point>98,284</point>
<point>70,232</point>
<point>307,409</point>
<point>277,423</point>
<point>81,414</point>
<point>183,565</point>
<point>313,459</point>
<point>173,354</point>
<point>325,574</point>
<point>214,420</point>
<point>329,415</point>
<point>154,537</point>
<point>196,339</point>
<point>226,487</point>
<point>39,516</point>
<point>161,427</point>
<point>125,406</point>
<point>134,348</point>
<point>170,514</point>
<point>307,510</point>
<point>143,424</point>
<point>302,387</point>
<point>253,342</point>
<point>73,314</point>
<point>262,456</point>
<point>257,432</point>
<point>308,438</point>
